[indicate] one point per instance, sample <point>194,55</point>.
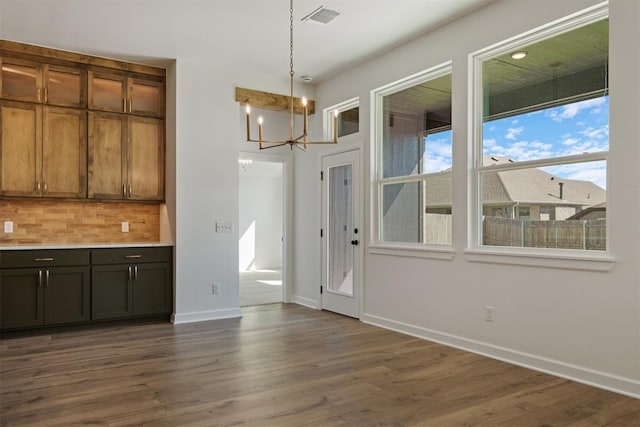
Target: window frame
<point>328,113</point>
<point>378,181</point>
<point>551,257</point>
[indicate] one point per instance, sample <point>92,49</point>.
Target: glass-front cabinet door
<point>21,80</point>
<point>43,83</point>
<point>64,86</point>
<point>145,97</point>
<point>107,92</point>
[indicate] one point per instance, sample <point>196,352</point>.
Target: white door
<point>341,233</point>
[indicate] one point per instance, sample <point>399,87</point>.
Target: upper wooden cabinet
<point>76,126</point>
<point>126,157</point>
<point>123,93</point>
<point>43,83</point>
<point>43,150</point>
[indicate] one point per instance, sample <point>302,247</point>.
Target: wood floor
<point>281,365</point>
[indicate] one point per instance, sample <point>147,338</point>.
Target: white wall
<point>576,323</point>
<point>260,216</point>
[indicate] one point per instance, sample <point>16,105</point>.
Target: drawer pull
<point>42,259</point>
<point>39,278</point>
<point>133,256</point>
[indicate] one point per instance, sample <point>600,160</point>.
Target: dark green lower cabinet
<point>131,282</point>
<point>111,292</point>
<point>20,298</point>
<point>43,296</point>
<point>63,286</point>
<point>152,289</point>
<point>120,291</point>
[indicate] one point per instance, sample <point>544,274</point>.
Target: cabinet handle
<point>39,95</point>
<point>124,191</point>
<point>130,104</point>
<point>129,190</point>
<point>130,274</point>
<point>135,273</point>
<point>46,95</point>
<point>43,259</point>
<point>133,256</point>
<point>124,105</point>
<point>39,278</point>
<point>46,275</point>
<point>46,188</point>
<point>38,186</point>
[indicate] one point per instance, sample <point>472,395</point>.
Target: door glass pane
<point>107,94</point>
<point>145,98</point>
<point>340,250</point>
<point>63,88</point>
<point>18,81</point>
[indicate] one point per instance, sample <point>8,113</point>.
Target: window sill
<point>599,261</point>
<point>413,251</point>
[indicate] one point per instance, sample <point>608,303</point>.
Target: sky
<point>554,132</point>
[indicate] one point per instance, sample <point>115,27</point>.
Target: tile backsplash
<point>78,222</point>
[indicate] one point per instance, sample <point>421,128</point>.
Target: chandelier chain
<point>291,37</point>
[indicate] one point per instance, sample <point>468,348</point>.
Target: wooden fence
<point>574,234</point>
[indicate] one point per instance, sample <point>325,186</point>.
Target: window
<point>541,128</point>
<point>348,121</point>
<point>413,159</point>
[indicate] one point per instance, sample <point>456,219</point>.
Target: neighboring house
<point>598,211</point>
<point>529,194</point>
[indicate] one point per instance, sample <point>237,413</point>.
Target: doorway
<point>261,231</point>
<point>342,233</point>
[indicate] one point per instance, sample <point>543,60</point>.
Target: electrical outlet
<point>125,227</point>
<point>223,227</point>
<point>8,226</point>
<point>489,313</point>
<point>215,288</point>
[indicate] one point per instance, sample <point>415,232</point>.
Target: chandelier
<point>297,141</point>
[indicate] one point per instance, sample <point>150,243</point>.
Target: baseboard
<point>201,316</point>
<point>617,384</point>
<point>307,302</point>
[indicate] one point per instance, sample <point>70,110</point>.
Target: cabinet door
<point>107,92</point>
<point>21,80</point>
<point>152,289</point>
<point>146,97</point>
<point>111,292</point>
<point>107,156</point>
<point>145,159</point>
<point>20,298</point>
<point>64,152</point>
<point>66,295</point>
<point>20,148</point>
<point>64,86</point>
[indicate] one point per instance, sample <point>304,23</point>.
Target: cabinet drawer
<point>130,255</point>
<point>43,258</point>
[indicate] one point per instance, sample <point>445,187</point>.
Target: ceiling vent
<point>321,15</point>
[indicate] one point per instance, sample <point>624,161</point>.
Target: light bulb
<point>248,109</point>
<point>260,120</point>
<point>335,113</point>
<point>304,101</point>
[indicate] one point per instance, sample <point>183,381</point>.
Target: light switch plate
<point>125,227</point>
<point>223,227</point>
<point>8,226</point>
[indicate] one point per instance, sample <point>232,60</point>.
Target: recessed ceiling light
<point>519,55</point>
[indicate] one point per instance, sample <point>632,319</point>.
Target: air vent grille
<point>321,15</point>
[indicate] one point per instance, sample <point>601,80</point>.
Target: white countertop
<point>83,246</point>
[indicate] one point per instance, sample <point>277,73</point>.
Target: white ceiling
<point>231,34</point>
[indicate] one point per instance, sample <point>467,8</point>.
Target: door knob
<point>354,242</point>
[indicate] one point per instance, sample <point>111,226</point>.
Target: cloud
<point>569,111</point>
<point>598,133</point>
<point>512,133</point>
